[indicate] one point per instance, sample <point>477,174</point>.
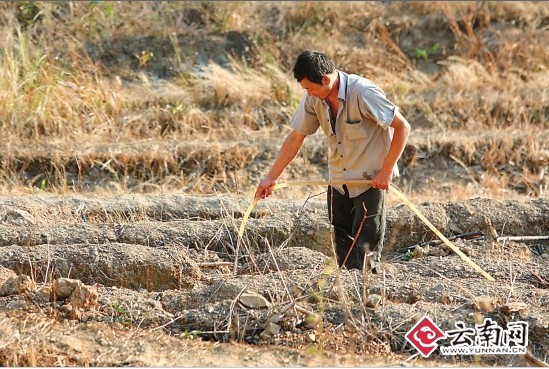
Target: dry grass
<point>161,96</point>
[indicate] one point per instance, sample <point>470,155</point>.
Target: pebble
<point>253,300</point>
<point>438,288</point>
<point>373,300</point>
<point>513,307</point>
<point>271,329</point>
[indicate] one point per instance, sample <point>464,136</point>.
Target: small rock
<point>84,296</point>
<point>80,294</point>
<point>16,305</point>
<point>64,287</point>
<point>254,300</point>
<point>5,274</point>
<point>17,285</point>
<point>373,300</point>
<point>87,317</point>
<point>66,309</point>
<point>271,330</point>
<point>312,337</point>
<point>513,307</point>
<point>439,288</point>
<point>44,294</point>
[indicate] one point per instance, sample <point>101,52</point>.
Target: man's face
<point>314,89</point>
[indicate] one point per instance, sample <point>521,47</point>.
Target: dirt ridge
<point>214,221</point>
<point>174,274</point>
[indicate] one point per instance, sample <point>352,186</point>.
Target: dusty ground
<point>150,280</point>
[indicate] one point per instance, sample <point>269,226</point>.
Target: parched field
<point>138,279</point>
<point>134,135</point>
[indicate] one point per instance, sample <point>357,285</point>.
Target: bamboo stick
<point>393,190</point>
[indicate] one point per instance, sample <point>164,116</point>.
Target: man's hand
<point>382,180</point>
<point>265,188</point>
<point>291,146</point>
<point>400,137</point>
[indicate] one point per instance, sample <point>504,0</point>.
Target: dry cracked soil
<point>165,281</point>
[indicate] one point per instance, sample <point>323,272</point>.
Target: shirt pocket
<point>355,130</point>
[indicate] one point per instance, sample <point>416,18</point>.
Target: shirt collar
<point>342,85</point>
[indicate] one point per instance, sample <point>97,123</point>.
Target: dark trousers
<point>347,215</point>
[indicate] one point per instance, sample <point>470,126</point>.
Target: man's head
<point>315,72</point>
<point>312,64</point>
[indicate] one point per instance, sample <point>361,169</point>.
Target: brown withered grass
<point>196,97</point>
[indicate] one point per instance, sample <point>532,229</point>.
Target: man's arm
<point>291,146</point>
<point>400,137</point>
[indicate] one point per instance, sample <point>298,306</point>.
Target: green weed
<point>425,53</point>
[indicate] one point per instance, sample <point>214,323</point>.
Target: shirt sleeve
<point>305,120</point>
<point>373,103</point>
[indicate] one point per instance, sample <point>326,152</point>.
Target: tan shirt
<point>362,137</point>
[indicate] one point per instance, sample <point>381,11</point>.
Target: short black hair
<point>313,65</point>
